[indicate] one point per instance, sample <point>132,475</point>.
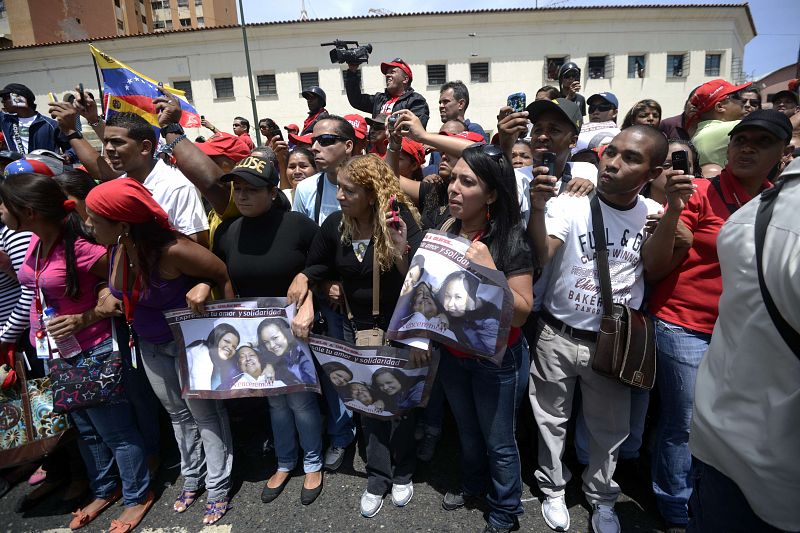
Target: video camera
<point>342,54</point>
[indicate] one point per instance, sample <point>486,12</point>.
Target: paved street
<point>337,507</point>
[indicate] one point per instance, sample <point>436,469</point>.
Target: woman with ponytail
<point>152,270</point>
<point>67,270</point>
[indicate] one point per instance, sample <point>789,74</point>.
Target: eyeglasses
<point>327,139</point>
<point>600,107</point>
<point>752,102</point>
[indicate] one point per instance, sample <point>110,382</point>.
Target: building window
<point>713,62</point>
<point>168,24</point>
<point>479,72</point>
<point>551,67</point>
<point>158,4</point>
<point>186,87</point>
<point>437,75</point>
<point>309,79</point>
<point>676,66</point>
<point>360,82</point>
<point>198,2</point>
<point>144,19</point>
<point>120,25</point>
<point>185,23</point>
<point>183,3</point>
<point>223,87</point>
<point>158,24</point>
<point>116,3</point>
<point>266,85</point>
<point>201,21</point>
<point>636,66</point>
<point>597,67</point>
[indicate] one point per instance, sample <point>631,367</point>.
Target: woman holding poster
<point>364,230</point>
<point>483,397</point>
<point>264,250</point>
<point>152,267</point>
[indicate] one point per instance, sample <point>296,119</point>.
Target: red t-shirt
<point>689,295</point>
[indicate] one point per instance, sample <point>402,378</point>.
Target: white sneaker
<point>604,519</point>
<point>370,504</point>
<point>401,494</point>
<point>555,513</point>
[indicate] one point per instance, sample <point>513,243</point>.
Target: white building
<point>635,52</point>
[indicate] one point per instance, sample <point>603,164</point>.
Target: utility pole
<point>250,75</point>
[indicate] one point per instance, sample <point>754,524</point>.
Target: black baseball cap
<point>786,92</point>
<point>773,121</point>
<point>257,171</point>
<point>568,108</point>
<point>18,88</point>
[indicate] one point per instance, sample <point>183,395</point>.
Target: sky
<point>775,46</point>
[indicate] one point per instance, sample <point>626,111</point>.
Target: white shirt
<point>24,131</point>
<point>200,367</point>
<point>305,197</point>
<point>573,291</point>
<point>178,197</point>
<point>524,176</point>
<point>747,395</point>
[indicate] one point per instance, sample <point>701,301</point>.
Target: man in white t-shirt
<point>129,142</point>
<point>570,318</point>
<point>332,142</point>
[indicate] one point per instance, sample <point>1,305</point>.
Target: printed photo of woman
<point>473,320</point>
<point>340,376</point>
<point>397,390</point>
<point>292,363</point>
<point>211,362</point>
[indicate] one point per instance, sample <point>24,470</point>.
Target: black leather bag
<point>626,344</point>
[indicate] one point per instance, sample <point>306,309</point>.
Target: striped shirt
<point>15,300</point>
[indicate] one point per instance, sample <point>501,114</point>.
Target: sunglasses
<point>491,150</point>
<point>752,102</point>
<point>327,139</point>
<point>600,107</point>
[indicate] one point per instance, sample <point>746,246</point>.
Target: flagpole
<point>99,86</point>
<point>250,76</point>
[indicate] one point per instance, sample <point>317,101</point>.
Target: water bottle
<point>67,346</point>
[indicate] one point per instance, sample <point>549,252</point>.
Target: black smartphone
<point>680,161</point>
<point>394,205</point>
<point>549,161</point>
<point>202,117</point>
<point>81,96</point>
<point>273,130</point>
<point>516,102</point>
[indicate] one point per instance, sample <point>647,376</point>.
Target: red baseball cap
<point>226,144</point>
<point>710,93</point>
<point>468,135</point>
<point>292,128</point>
<point>399,63</point>
<point>300,139</point>
<point>414,149</point>
<point>359,124</point>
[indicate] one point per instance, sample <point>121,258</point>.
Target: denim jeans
<point>109,434</point>
<point>484,399</point>
<point>294,414</point>
<point>679,352</point>
<point>201,426</point>
<point>640,399</point>
<point>433,413</point>
<point>340,427</point>
<point>718,504</point>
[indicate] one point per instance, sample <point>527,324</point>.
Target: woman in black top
<point>264,249</point>
<point>344,249</point>
<point>484,397</point>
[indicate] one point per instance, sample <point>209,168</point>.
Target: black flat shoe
<point>268,494</point>
<point>307,496</point>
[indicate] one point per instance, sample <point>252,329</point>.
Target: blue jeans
<point>433,413</point>
<point>719,505</point>
<point>679,352</point>
<point>109,434</point>
<point>484,399</point>
<point>294,414</point>
<point>629,449</point>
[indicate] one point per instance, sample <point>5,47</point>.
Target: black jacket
<point>410,100</point>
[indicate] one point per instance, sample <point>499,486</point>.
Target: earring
<point>488,213</point>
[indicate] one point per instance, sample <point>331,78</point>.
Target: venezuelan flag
<point>128,91</point>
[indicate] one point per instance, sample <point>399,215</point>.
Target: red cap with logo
<point>359,124</point>
<point>292,128</point>
<point>226,144</point>
<point>399,63</point>
<point>468,135</point>
<point>709,94</point>
<point>301,139</point>
<point>414,149</point>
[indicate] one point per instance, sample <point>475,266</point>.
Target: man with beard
<point>398,94</point>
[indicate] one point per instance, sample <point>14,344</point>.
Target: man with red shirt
<point>316,100</point>
<point>688,284</point>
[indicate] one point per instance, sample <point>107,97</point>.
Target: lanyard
<point>129,301</point>
<point>37,272</point>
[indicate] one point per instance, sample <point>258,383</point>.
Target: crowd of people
<point>155,222</point>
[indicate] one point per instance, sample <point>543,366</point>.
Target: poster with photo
<point>241,348</point>
<point>375,381</point>
<point>448,299</point>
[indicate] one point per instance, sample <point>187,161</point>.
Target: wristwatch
<point>171,128</point>
<point>73,135</point>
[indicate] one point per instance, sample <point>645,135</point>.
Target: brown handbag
<point>374,336</point>
<point>626,347</point>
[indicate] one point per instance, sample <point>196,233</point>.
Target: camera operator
<point>398,94</point>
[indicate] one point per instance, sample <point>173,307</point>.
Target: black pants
<point>391,452</point>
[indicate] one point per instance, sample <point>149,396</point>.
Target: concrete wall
<point>514,44</point>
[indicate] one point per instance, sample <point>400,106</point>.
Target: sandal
<point>118,526</point>
<point>184,500</point>
<point>81,518</point>
<point>215,510</point>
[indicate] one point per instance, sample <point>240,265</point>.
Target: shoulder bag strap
<point>715,182</point>
<point>600,248</point>
<point>763,216</point>
<point>376,286</point>
<point>318,199</point>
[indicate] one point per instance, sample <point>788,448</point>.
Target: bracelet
<point>97,123</point>
<point>394,150</point>
<point>168,148</point>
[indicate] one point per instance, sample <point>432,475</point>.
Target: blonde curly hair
<point>372,173</point>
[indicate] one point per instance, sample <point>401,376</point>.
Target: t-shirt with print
<point>573,293</point>
<point>178,197</point>
<point>52,282</point>
<point>305,197</point>
<point>24,131</point>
